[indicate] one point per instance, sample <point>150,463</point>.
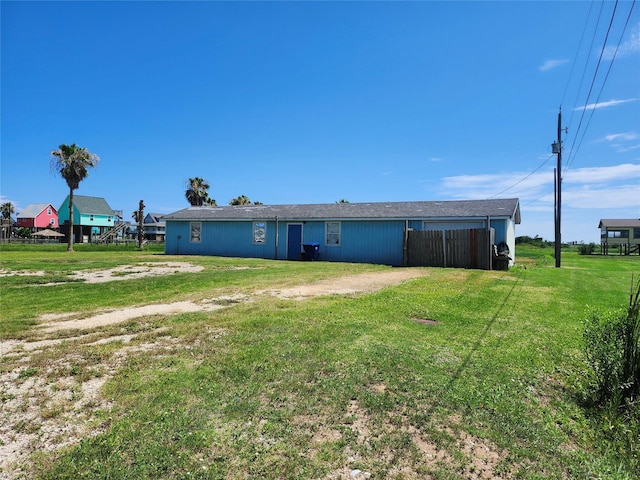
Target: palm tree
<point>7,209</point>
<point>241,200</point>
<point>197,192</point>
<point>72,161</point>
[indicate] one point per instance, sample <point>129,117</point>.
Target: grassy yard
<point>457,374</point>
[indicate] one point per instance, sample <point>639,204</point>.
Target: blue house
<point>347,232</point>
<point>343,232</point>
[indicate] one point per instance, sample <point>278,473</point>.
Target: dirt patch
<point>45,408</point>
<point>426,321</point>
<point>126,314</point>
<point>361,283</point>
<point>21,273</point>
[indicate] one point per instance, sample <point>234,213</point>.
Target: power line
<point>573,154</point>
<point>586,63</point>
<point>522,179</point>
<point>575,57</point>
<point>593,81</point>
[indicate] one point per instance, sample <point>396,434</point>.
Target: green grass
<point>308,389</point>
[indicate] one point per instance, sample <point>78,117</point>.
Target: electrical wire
<point>586,64</point>
<point>572,153</point>
<point>593,81</point>
<point>575,57</point>
<point>522,179</point>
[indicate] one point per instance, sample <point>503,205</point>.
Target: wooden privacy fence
<point>465,248</point>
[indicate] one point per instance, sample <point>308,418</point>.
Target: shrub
<point>586,248</point>
<point>612,344</point>
<point>24,232</point>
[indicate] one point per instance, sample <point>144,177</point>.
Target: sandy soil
<point>41,414</point>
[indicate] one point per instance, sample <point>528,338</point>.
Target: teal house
<point>92,217</point>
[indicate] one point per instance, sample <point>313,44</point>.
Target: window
<point>618,234</point>
<point>91,218</point>
<point>259,233</point>
<point>52,221</point>
<point>195,232</point>
<point>636,232</point>
<point>332,233</point>
<point>48,211</point>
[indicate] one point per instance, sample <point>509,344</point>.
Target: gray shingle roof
<point>151,218</point>
<point>92,205</point>
<point>619,222</point>
<point>32,210</point>
<point>343,211</point>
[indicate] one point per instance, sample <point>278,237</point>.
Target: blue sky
<point>313,102</point>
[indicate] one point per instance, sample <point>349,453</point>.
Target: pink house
<point>38,216</point>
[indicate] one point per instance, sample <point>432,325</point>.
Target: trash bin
<point>501,262</point>
<point>311,251</point>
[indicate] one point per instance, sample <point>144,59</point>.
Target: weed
<point>27,373</point>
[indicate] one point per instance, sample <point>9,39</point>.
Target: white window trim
<point>198,225</point>
<point>326,234</point>
<point>264,236</point>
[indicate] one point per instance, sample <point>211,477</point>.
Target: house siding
<point>225,239</point>
<point>91,216</point>
<point>43,219</point>
<point>377,238</point>
<point>367,241</point>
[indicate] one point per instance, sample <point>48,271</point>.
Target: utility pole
<point>557,149</point>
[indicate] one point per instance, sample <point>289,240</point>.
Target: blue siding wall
<point>371,242</point>
<point>226,239</point>
<point>379,242</point>
<point>500,227</point>
<point>360,241</point>
<point>363,241</point>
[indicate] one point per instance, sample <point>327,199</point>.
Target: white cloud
<point>628,47</point>
<point>610,103</point>
<point>592,198</point>
<point>617,186</point>
<point>551,64</point>
<point>489,185</point>
<point>626,171</point>
<point>617,137</point>
<point>622,142</point>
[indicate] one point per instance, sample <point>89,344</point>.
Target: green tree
<point>24,232</point>
<point>7,209</point>
<point>342,200</point>
<point>72,163</point>
<point>241,200</point>
<point>197,193</point>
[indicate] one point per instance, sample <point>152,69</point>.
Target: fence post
<point>444,249</point>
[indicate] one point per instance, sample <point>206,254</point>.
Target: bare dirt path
<point>43,409</point>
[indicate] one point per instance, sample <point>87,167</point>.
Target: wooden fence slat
<point>465,248</point>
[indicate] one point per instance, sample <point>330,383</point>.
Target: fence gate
<point>465,248</point>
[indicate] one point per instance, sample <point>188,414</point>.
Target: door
<point>294,241</point>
